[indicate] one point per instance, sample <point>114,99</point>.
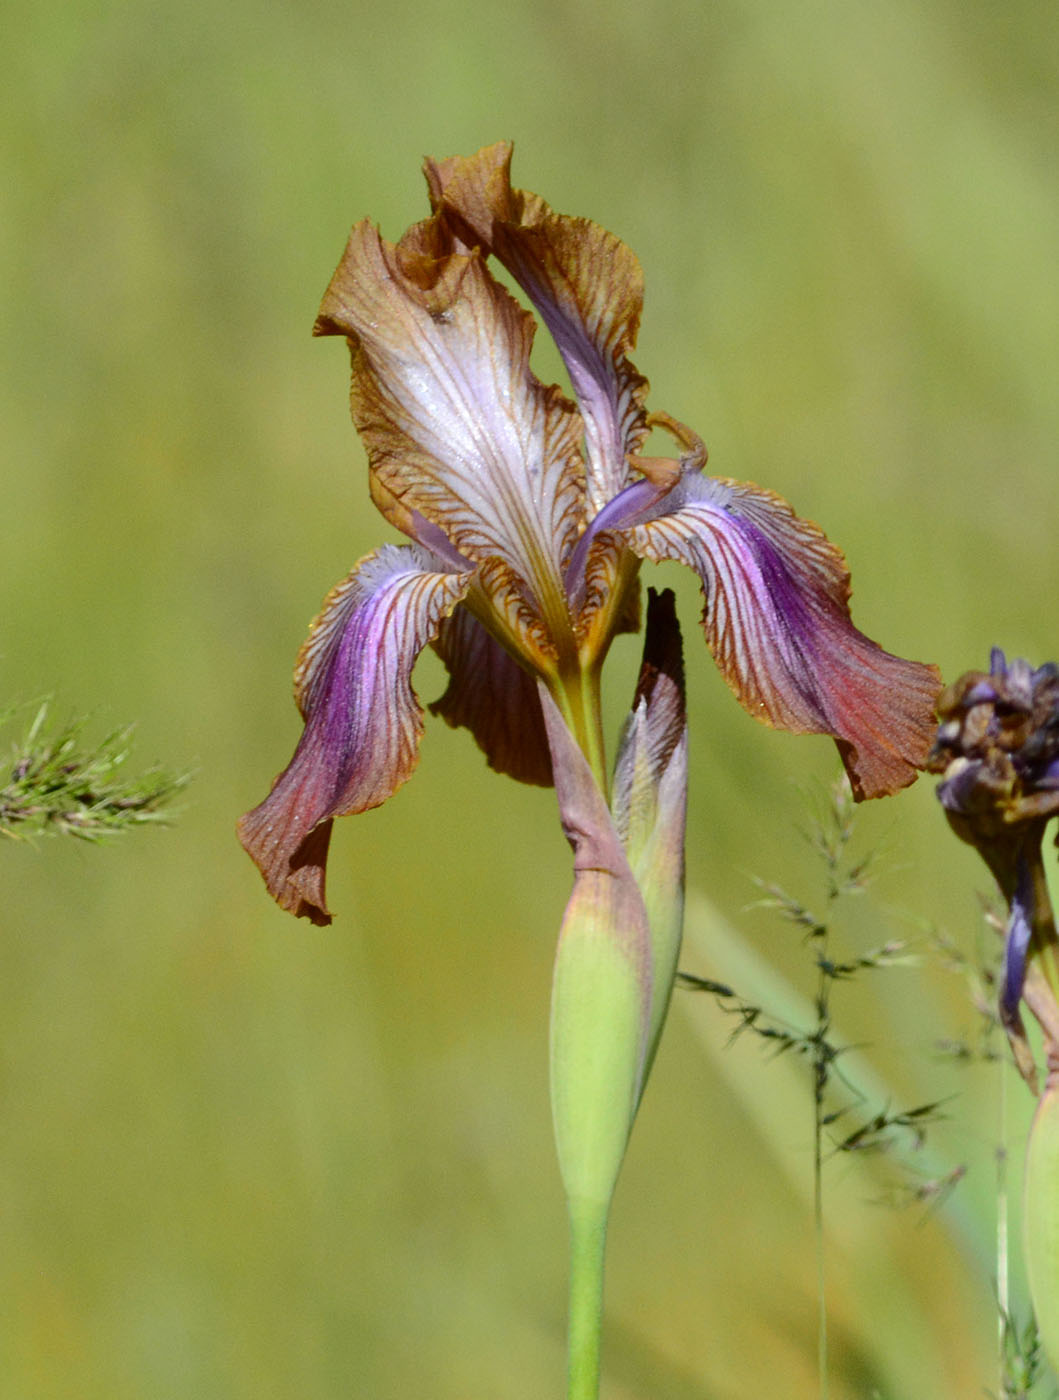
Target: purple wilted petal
<point>983,693</point>
<point>1020,677</point>
<point>586,285</point>
<point>777,621</point>
<point>1016,946</point>
<point>998,665</point>
<point>494,698</point>
<point>1050,777</point>
<point>963,780</point>
<point>362,719</point>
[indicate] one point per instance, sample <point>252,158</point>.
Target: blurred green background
<point>242,1157</point>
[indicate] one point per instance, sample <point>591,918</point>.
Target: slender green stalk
<point>821,1282</point>
<point>1002,1288</point>
<point>588,1239</point>
<point>578,698</point>
<point>596,750</point>
<point>820,1075</point>
<point>832,837</point>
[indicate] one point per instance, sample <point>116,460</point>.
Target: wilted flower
<point>527,517</point>
<point>998,748</point>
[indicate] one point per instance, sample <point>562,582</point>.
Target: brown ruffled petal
<point>586,285</point>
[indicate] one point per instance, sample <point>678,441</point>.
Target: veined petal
<point>456,425</point>
<point>777,621</point>
<point>586,285</point>
<point>610,603</point>
<point>362,719</point>
<point>494,698</point>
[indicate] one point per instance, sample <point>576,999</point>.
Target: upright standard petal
<point>777,621</point>
<point>491,694</point>
<point>456,425</point>
<point>362,719</point>
<point>586,285</point>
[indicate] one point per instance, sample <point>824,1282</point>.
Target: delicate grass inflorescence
<point>57,784</point>
<point>842,1121</point>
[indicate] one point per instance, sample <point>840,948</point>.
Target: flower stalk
<point>616,959</point>
<point>578,699</point>
<point>588,1245</point>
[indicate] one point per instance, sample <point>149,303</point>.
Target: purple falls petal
<point>491,695</point>
<point>362,719</point>
<point>777,621</point>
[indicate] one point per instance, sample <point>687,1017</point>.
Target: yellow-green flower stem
<point>577,694</point>
<point>588,1240</point>
<point>575,685</point>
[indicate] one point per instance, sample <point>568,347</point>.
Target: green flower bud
<point>601,998</point>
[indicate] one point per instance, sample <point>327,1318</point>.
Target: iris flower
<point>527,515</point>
